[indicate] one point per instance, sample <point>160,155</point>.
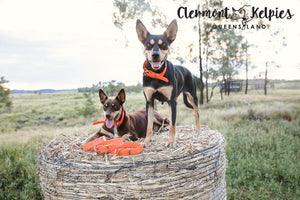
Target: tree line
<point>111,87</point>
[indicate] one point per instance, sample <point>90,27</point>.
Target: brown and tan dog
<point>119,123</point>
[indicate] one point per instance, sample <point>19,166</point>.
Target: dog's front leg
<point>172,129</point>
<point>150,116</point>
<point>92,137</point>
<point>101,132</point>
<point>127,136</point>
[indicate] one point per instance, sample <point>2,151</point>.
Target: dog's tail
<point>185,100</point>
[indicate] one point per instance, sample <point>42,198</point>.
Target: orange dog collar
<point>91,145</point>
<point>114,146</point>
<point>129,148</point>
<point>109,146</point>
<point>152,74</point>
<point>116,122</point>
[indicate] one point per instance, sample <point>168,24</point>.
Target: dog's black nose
<point>107,115</point>
<point>155,55</point>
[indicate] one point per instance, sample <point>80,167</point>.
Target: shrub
<point>5,102</point>
<point>89,106</point>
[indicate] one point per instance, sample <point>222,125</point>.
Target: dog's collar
<point>116,122</point>
<point>152,74</point>
<point>121,120</point>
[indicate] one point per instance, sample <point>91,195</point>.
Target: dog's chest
<point>162,93</point>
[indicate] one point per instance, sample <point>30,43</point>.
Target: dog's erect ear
<point>102,96</point>
<point>121,96</point>
<point>171,31</point>
<point>142,31</point>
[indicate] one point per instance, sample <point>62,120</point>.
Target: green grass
<point>54,110</point>
<point>18,179</point>
<point>263,160</point>
<point>263,140</point>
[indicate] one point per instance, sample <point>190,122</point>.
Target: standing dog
<point>119,123</point>
<point>164,81</point>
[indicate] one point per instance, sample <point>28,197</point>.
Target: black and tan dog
<point>119,123</point>
<point>162,80</point>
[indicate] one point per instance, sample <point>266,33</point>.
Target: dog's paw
<point>147,142</point>
<point>170,145</point>
<point>126,137</point>
<point>198,131</point>
<point>171,142</point>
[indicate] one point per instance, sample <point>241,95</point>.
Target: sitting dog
<point>119,123</point>
<point>164,81</point>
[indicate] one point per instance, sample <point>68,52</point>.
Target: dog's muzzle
<point>155,61</point>
<point>155,56</point>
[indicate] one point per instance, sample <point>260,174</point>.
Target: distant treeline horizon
<point>111,87</point>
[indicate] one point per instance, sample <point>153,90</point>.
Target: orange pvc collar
<point>92,144</point>
<point>152,74</point>
<point>114,146</point>
<point>109,146</point>
<point>129,148</point>
<point>116,122</point>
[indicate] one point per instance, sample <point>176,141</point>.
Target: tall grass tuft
<point>272,112</point>
<point>18,178</point>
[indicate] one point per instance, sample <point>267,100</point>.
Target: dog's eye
<point>162,44</point>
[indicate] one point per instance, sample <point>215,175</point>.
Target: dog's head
<point>112,108</point>
<point>156,46</point>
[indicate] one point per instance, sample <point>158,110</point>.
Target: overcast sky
<point>66,44</point>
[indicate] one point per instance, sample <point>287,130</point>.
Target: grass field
<point>262,135</point>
